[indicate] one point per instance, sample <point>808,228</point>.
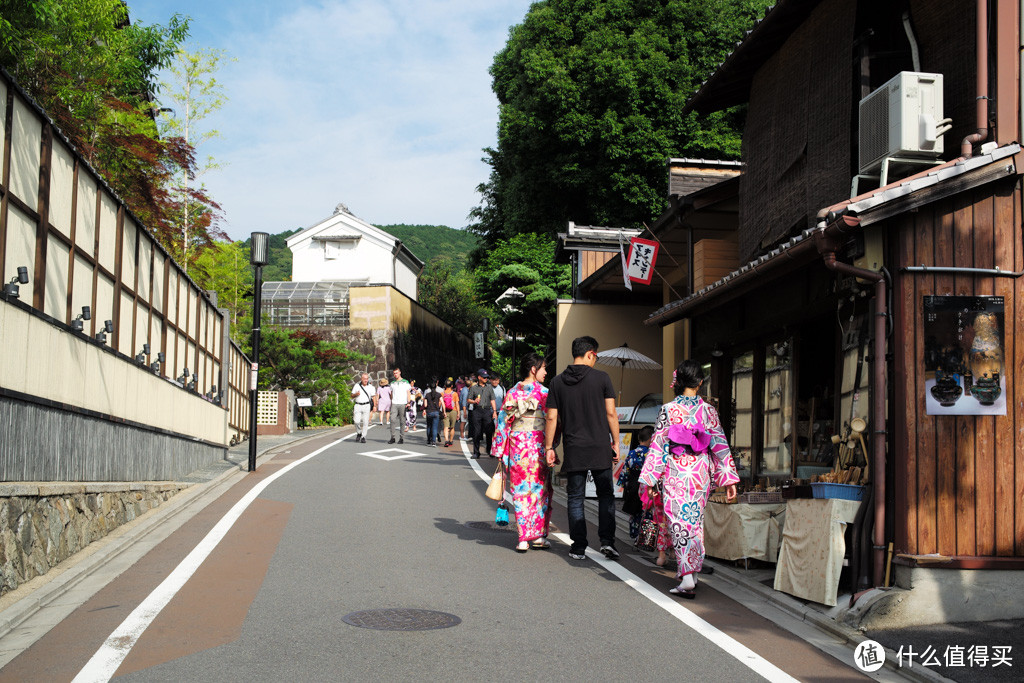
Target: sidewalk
<point>753,586</point>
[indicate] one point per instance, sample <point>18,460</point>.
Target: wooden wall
<point>959,479</point>
<point>590,261</point>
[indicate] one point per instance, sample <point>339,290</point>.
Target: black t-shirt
<point>431,397</point>
<point>578,394</point>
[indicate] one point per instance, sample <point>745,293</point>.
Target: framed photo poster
<point>964,366</point>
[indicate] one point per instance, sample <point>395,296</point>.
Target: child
<point>629,480</point>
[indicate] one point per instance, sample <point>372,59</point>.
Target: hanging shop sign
<point>643,255</point>
<point>965,372</point>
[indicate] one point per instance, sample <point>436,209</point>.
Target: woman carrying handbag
<point>519,443</point>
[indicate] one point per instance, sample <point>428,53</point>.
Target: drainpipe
<point>827,248</point>
<point>981,66</point>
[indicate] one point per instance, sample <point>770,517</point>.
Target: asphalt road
<point>364,527</point>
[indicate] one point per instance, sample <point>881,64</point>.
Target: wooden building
<point>865,292</point>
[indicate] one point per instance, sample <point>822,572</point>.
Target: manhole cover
<point>401,619</point>
<point>490,526</point>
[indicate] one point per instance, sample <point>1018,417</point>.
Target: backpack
<point>449,400</point>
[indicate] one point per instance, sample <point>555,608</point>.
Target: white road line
<point>112,653</point>
<point>727,643</point>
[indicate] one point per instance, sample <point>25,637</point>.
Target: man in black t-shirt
<point>582,399</point>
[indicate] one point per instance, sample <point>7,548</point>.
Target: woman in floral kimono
<point>694,459</point>
<point>519,442</point>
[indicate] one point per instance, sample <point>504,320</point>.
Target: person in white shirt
<point>362,402</point>
<point>400,390</point>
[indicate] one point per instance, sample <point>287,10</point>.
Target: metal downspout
<point>981,66</point>
<point>878,370</point>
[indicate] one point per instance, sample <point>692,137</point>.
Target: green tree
<point>95,75</point>
<point>224,268</point>
<point>449,291</point>
<point>590,99</point>
<point>525,262</point>
<point>191,95</point>
<point>430,241</point>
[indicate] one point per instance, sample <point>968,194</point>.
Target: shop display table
<point>812,551</point>
<point>743,530</point>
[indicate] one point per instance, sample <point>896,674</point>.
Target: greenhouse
<point>299,304</point>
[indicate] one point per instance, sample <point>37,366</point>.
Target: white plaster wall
<point>21,249</point>
<point>406,281</point>
<point>62,176</point>
<point>360,261</point>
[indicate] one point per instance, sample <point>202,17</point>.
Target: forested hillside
<point>428,241</point>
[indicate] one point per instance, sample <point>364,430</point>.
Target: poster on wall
<point>964,356</point>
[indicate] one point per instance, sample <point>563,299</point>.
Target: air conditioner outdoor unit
<point>902,121</point>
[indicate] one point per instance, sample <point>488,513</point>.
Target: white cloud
<point>384,105</point>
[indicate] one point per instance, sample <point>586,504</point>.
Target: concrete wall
<point>612,325</point>
<point>944,596</point>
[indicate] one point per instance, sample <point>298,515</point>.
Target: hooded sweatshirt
<point>579,394</point>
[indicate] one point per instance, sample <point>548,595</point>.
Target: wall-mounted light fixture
<point>108,328</point>
<point>717,352</point>
<point>11,289</point>
<point>77,324</point>
<point>195,381</point>
<point>155,367</point>
<point>184,376</point>
<point>141,358</point>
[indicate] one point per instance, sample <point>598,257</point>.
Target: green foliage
<point>526,262</point>
<point>431,241</point>
<point>224,268</point>
<point>192,94</point>
<point>590,97</point>
<point>449,291</point>
<point>95,75</point>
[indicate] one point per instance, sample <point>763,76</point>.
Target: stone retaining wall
<point>43,524</point>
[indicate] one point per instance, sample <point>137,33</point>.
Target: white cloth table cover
<point>743,530</point>
<point>813,547</point>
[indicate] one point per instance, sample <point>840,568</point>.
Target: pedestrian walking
<point>467,382</point>
<point>581,404</point>
<point>497,388</point>
<point>451,411</point>
<point>519,442</point>
<point>484,413</point>
<point>400,393</point>
<point>384,401</point>
<point>415,398</point>
<point>362,402</point>
<point>432,407</point>
<point>690,455</point>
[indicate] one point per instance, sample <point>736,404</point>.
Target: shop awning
<point>896,198</point>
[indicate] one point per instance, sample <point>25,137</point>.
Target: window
<point>332,250</point>
<point>742,412</point>
<point>776,460</point>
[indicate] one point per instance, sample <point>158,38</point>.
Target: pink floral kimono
<point>519,442</point>
<point>690,455</point>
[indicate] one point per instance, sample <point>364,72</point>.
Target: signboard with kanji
<point>643,254</point>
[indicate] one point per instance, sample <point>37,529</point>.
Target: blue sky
<point>383,105</point>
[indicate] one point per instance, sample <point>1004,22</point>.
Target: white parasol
<point>626,357</point>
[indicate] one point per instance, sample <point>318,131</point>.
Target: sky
<point>382,105</point>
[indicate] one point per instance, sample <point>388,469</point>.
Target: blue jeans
<point>575,489</point>
<point>433,419</point>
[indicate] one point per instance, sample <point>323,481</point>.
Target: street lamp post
<point>510,299</point>
<point>258,256</point>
